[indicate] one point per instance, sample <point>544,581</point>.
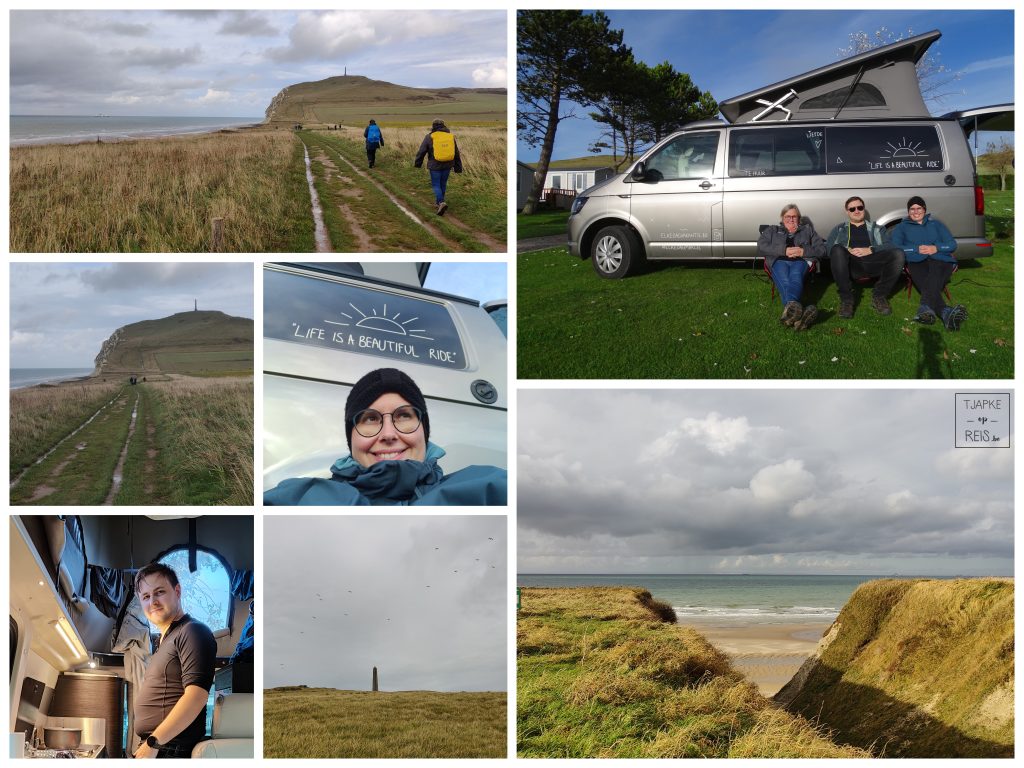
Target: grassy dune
<point>303,722</point>
<point>161,195</point>
<point>918,669</point>
<point>605,672</point>
<point>40,416</point>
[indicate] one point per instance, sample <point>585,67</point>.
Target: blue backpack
<point>373,134</point>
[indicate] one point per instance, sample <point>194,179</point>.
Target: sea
<point>730,600</point>
<point>28,377</point>
<point>71,129</point>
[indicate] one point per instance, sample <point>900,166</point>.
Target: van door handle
<point>706,184</point>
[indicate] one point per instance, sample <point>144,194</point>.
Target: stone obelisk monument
<point>375,679</point>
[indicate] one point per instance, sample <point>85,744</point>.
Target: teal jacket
<point>408,482</point>
<point>840,235</point>
<point>908,236</point>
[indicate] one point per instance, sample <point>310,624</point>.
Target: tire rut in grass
<point>364,242</point>
<point>78,475</point>
<point>433,231</point>
<point>118,476</point>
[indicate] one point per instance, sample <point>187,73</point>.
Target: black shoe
<point>925,317</point>
<point>845,309</point>
<point>807,318</point>
<point>441,208</point>
<point>791,314</point>
<point>881,305</point>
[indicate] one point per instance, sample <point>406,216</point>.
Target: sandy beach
<point>767,654</point>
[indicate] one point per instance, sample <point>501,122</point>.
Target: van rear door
<point>995,118</point>
<point>673,204</point>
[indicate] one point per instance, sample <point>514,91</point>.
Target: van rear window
<point>357,318</point>
<point>884,149</point>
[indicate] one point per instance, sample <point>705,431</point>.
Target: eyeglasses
<point>853,208</point>
<point>916,209</point>
<point>405,419</point>
<point>790,218</point>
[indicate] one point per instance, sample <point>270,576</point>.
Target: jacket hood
<point>395,481</point>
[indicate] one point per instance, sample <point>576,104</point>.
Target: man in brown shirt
<point>170,705</point>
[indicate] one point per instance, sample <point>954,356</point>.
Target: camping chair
<point>812,265</point>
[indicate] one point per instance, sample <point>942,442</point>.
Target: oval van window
<point>355,318</point>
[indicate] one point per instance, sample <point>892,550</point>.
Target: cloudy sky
<point>61,313</point>
<point>365,579</point>
<point>732,52</point>
<point>232,63</point>
<point>742,481</point>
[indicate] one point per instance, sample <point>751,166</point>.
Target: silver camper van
<point>325,325</point>
<point>856,127</point>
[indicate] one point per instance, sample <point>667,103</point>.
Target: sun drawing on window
<point>382,323</point>
<point>904,148</point>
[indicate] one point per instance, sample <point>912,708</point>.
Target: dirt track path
<point>118,476</point>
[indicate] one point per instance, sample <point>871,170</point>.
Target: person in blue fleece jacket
<point>392,461</point>
<point>928,248</point>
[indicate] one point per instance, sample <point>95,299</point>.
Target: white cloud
<point>976,463</point>
<point>723,436</point>
<point>213,96</point>
<point>27,339</point>
<point>782,483</point>
<point>491,75</point>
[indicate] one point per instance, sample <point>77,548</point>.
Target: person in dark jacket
<point>392,461</point>
<point>928,247</point>
<point>789,248</point>
<point>374,140</point>
<point>859,248</point>
<point>439,163</point>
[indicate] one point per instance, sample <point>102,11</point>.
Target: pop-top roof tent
<point>878,83</point>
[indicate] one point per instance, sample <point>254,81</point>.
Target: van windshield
<point>336,315</point>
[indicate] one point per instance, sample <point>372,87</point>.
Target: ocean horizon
<point>733,599</point>
<point>70,129</point>
<point>29,377</point>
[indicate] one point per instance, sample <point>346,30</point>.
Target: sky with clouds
<point>423,599</point>
<point>732,52</point>
<point>748,481</point>
<point>61,313</point>
<point>232,63</point>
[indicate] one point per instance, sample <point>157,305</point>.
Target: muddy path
<point>373,204</point>
<point>323,242</point>
<point>118,476</point>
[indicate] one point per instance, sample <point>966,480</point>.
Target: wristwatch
<point>152,742</point>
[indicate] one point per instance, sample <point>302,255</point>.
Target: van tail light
<point>979,200</point>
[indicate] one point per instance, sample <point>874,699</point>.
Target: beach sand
<point>768,655</point>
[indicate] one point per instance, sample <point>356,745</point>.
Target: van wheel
<point>616,252</point>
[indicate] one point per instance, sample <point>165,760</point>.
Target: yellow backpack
<point>444,146</point>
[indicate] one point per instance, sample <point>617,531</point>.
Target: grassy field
<point>541,223</point>
<point>919,668</point>
<point>605,672</point>
<point>719,321</point>
<point>301,722</point>
<point>192,443</point>
<point>41,416</point>
<point>161,195</point>
<point>359,217</point>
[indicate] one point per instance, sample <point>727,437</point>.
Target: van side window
<point>884,149</point>
<point>690,156</point>
<point>864,95</point>
<point>776,152</point>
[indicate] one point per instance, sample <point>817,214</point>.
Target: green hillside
<point>916,668</point>
<point>354,99</point>
<point>197,343</point>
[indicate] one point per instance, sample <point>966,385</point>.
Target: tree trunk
<point>546,149</point>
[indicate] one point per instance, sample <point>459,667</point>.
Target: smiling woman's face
<point>389,444</point>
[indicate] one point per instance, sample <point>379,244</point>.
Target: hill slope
<point>354,99</point>
<point>606,672</point>
<point>916,668</point>
<point>202,342</point>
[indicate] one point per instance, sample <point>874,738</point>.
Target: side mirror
<point>639,172</point>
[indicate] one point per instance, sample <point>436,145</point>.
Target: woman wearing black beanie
<point>392,460</point>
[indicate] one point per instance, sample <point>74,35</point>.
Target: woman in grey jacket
<point>790,248</point>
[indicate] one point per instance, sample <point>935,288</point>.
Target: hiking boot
<point>807,318</point>
<point>925,316</point>
<point>441,208</point>
<point>953,317</point>
<point>845,309</point>
<point>791,314</point>
<point>881,305</point>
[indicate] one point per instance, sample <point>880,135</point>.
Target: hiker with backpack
<point>442,153</point>
<point>374,139</point>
